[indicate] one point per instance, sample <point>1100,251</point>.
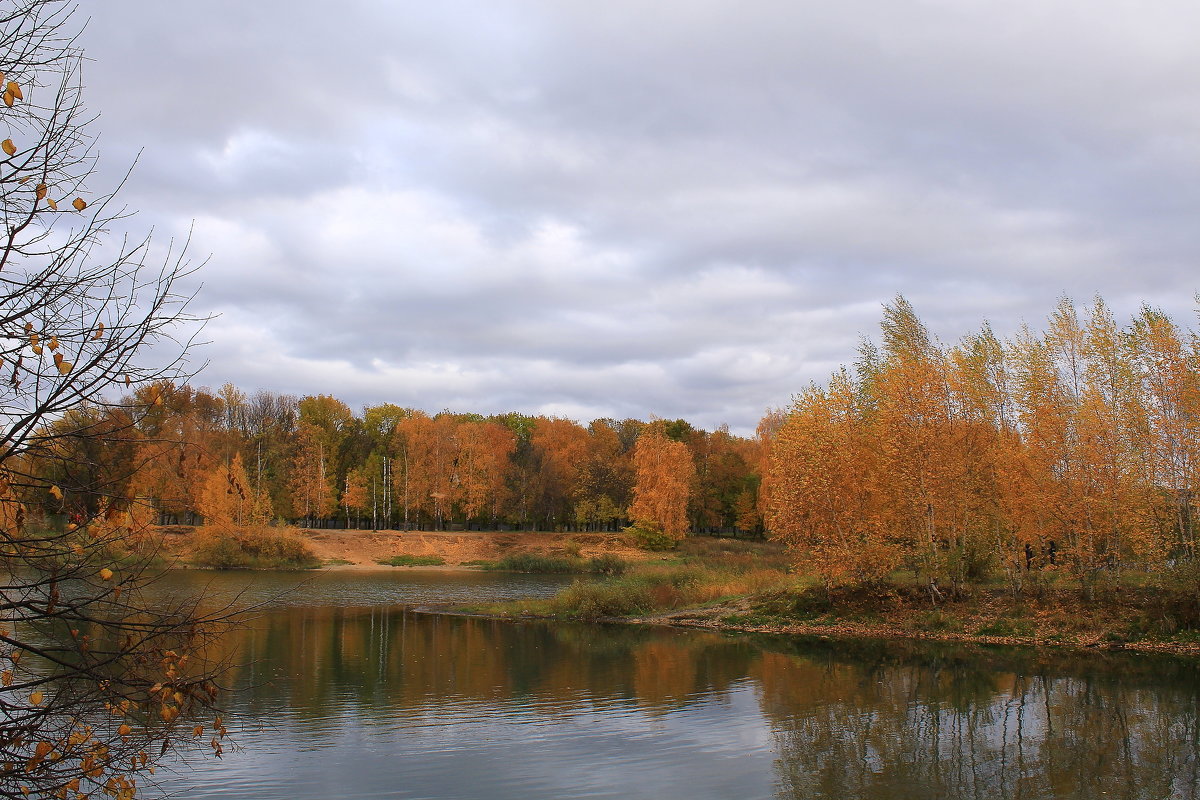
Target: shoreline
<point>988,618</point>
<point>690,619</point>
<point>702,619</point>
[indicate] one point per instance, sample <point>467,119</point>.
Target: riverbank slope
<point>352,549</point>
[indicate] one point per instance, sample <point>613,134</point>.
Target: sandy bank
<point>361,550</point>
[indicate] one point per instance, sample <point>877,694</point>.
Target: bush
<point>591,601</point>
<point>650,536</point>
<point>252,548</point>
<point>607,564</point>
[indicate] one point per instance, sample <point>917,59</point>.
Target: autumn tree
<point>228,499</point>
<point>484,452</point>
<point>560,448</point>
<point>824,476</point>
<point>312,487</point>
<point>604,487</point>
<point>81,318</point>
<point>1168,373</point>
<point>664,476</point>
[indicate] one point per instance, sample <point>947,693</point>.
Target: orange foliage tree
<point>664,475</point>
<point>1073,449</point>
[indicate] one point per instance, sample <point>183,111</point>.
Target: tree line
<point>230,457</point>
<point>1073,449</point>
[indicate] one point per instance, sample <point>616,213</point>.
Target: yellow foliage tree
<point>664,476</point>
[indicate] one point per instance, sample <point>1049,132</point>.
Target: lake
<point>342,693</point>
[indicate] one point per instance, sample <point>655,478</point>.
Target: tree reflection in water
<point>886,721</point>
<point>447,706</point>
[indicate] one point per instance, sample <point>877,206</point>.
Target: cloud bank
<point>680,209</point>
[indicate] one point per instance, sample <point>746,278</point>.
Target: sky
<point>625,209</point>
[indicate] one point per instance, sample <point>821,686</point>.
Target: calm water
<point>344,695</point>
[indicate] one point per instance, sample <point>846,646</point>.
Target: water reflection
<point>375,701</point>
<point>944,722</point>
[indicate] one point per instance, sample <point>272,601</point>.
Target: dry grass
<point>251,548</point>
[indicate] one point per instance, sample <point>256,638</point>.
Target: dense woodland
<point>1073,449</point>
<point>251,459</point>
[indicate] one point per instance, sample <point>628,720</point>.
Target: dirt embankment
<point>350,549</point>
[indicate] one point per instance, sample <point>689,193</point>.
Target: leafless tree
<point>98,675</point>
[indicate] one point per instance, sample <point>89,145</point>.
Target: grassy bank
<point>411,561</point>
<point>700,572</point>
<point>747,586</point>
<point>606,564</point>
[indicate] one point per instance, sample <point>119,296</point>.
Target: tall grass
<point>606,564</point>
<point>251,548</point>
<point>655,589</point>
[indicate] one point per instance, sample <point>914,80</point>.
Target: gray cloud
<point>683,209</point>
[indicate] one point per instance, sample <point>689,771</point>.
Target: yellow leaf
<point>124,730</point>
<point>9,147</point>
<point>79,203</point>
<point>37,349</point>
<point>99,330</point>
<point>15,90</point>
<point>57,492</point>
<point>39,191</point>
<point>6,677</point>
<point>37,697</point>
<point>50,202</point>
<point>53,342</point>
<point>64,367</point>
<point>34,338</point>
<point>106,574</point>
<point>8,99</point>
<point>58,357</point>
<point>198,730</point>
<point>127,381</point>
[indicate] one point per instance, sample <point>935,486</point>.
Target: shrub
<point>607,564</point>
<point>650,536</point>
<point>252,548</point>
<point>592,601</point>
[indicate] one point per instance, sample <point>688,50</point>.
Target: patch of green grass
<point>337,562</point>
<point>1007,626</point>
<point>534,562</point>
<point>937,621</point>
<point>405,560</point>
<point>649,589</point>
<point>606,564</point>
<point>480,562</point>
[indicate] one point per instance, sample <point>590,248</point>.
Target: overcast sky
<point>685,209</point>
